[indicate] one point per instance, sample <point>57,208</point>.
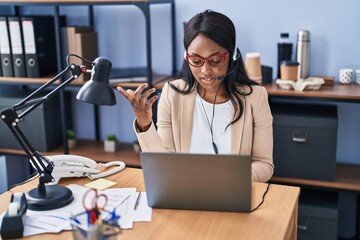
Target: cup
<point>253,66</point>
<point>357,71</point>
<point>289,70</point>
<point>345,75</point>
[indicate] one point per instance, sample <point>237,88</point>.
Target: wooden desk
<point>275,219</point>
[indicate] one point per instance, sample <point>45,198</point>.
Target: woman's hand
<point>141,105</point>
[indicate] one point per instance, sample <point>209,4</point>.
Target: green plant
<point>70,134</point>
<point>111,137</point>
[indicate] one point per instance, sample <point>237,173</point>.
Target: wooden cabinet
<point>346,184</point>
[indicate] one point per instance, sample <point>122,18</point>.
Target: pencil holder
<point>93,232</point>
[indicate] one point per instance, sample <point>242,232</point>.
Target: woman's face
<point>216,65</point>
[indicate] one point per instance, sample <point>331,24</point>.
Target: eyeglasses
<point>214,61</point>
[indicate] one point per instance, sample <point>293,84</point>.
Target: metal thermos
<point>303,53</point>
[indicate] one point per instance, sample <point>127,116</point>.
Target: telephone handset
<point>78,166</point>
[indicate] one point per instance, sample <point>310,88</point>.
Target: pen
<point>137,201</point>
<point>126,198</point>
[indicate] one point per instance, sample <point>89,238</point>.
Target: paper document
<point>123,200</point>
<point>142,212</point>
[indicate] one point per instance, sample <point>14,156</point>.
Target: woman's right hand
<point>141,105</point>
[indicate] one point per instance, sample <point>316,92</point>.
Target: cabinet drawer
<point>318,215</point>
<point>305,139</point>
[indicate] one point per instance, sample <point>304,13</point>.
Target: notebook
<point>197,181</point>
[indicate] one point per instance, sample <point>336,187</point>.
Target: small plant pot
<point>72,143</point>
<point>110,146</point>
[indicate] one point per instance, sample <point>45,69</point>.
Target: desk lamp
<point>96,91</point>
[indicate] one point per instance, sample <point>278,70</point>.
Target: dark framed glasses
<point>198,61</point>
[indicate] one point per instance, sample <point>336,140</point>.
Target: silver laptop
<point>197,181</point>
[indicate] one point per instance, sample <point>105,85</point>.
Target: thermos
<point>303,53</point>
<point>284,50</point>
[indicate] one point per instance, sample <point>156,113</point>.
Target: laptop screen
<point>197,181</point>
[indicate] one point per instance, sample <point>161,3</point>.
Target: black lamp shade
<point>97,90</point>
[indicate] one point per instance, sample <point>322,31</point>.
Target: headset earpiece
<point>235,55</point>
<point>185,55</point>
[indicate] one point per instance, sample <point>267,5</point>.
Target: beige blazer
<point>251,135</point>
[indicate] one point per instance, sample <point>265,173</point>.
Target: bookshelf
<point>153,80</point>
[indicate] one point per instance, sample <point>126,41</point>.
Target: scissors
<point>94,203</point>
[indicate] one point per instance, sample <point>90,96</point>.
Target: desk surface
<point>275,219</point>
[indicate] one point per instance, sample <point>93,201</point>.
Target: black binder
<point>5,49</point>
<point>39,45</point>
<point>17,47</point>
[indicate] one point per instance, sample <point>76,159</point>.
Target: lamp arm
<point>11,119</point>
<point>76,71</point>
<point>21,104</point>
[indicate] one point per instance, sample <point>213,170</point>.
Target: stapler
<point>14,220</point>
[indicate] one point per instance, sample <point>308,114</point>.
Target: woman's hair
<point>220,29</point>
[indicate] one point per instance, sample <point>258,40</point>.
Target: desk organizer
<point>94,232</point>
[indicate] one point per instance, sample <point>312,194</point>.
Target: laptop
<point>197,181</point>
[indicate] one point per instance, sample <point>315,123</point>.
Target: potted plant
<point>136,146</point>
<point>110,143</point>
<point>71,138</point>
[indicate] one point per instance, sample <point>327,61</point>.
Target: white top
<point>201,141</point>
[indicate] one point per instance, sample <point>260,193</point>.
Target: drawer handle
<point>299,137</point>
<point>302,227</point>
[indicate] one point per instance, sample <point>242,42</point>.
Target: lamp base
<point>54,197</point>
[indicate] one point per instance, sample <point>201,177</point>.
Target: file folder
<point>87,47</point>
<point>17,47</point>
<point>39,45</point>
<point>5,49</point>
<point>72,38</point>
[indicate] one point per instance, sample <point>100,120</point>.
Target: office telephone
<point>78,166</point>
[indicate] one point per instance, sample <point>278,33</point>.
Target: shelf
<point>347,178</point>
<point>338,92</point>
<point>17,80</point>
<point>94,150</point>
<point>85,2</point>
<point>158,81</point>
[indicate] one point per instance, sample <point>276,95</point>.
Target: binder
<point>86,47</point>
<point>69,45</point>
<point>17,47</point>
<point>5,49</point>
<point>39,45</point>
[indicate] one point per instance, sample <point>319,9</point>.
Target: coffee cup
<point>357,71</point>
<point>345,75</point>
<point>289,70</point>
<point>253,66</point>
